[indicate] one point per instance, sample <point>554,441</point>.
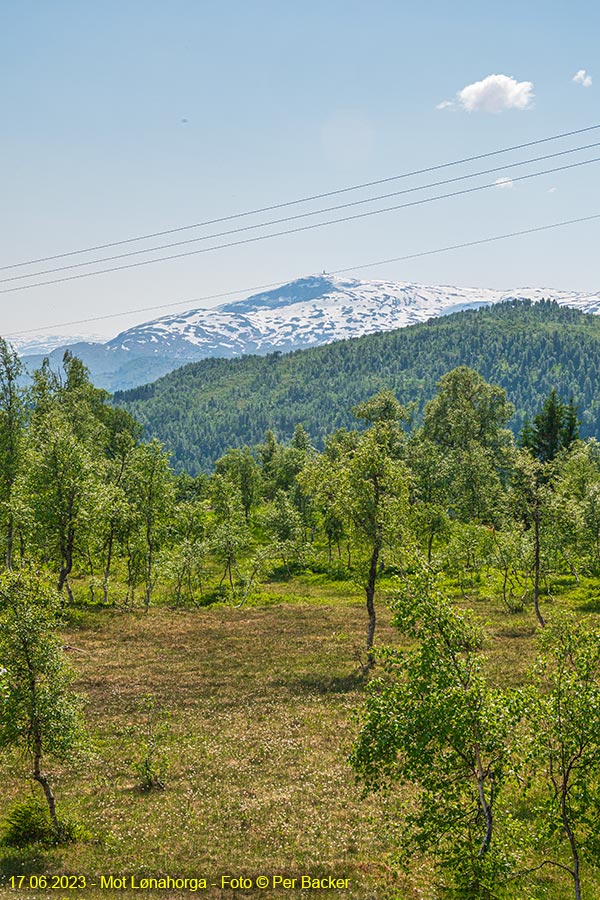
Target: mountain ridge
<point>204,408</point>
<point>310,311</point>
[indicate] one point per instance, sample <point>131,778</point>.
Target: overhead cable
<point>272,284</point>
<point>312,226</point>
<point>305,215</point>
<point>307,199</point>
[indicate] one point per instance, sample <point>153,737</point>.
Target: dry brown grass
<point>261,704</point>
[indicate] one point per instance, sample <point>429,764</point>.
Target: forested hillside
<point>203,409</point>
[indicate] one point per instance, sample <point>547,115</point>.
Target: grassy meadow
<point>254,709</point>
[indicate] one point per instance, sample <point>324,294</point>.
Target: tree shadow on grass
<point>30,860</point>
<point>520,632</point>
<point>327,684</point>
<point>280,575</point>
<point>592,605</point>
<point>285,572</point>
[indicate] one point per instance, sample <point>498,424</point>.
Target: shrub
<point>153,734</point>
<point>28,822</point>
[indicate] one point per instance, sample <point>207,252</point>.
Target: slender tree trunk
<point>572,842</point>
<point>92,576</point>
<point>536,569</point>
<point>63,580</point>
<point>370,591</point>
<point>36,734</point>
<point>179,586</point>
<point>130,579</point>
<point>42,779</point>
<point>111,539</point>
<point>9,541</point>
<point>199,572</point>
<point>67,563</point>
<point>38,775</point>
<point>149,583</point>
<point>486,807</point>
<point>107,567</point>
<point>62,577</point>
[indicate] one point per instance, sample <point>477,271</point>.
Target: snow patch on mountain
<point>314,310</point>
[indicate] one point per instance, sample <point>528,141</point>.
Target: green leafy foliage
<point>39,712</point>
<point>153,736</point>
<point>203,409</point>
<point>361,488</point>
<point>28,822</point>
<point>564,715</point>
<point>432,721</point>
<point>12,419</point>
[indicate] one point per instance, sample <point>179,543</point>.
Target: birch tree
<point>432,722</point>
<point>39,712</point>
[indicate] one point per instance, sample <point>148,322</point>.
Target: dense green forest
<point>428,528</point>
<point>203,409</point>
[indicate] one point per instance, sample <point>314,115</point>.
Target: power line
<point>288,231</point>
<point>354,268</point>
<point>246,228</point>
<point>308,199</point>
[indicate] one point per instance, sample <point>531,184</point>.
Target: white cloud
<point>504,182</point>
<point>446,104</point>
<point>552,190</point>
<point>495,93</point>
<point>582,78</point>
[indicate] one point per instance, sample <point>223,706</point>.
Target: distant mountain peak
<point>302,290</point>
<point>315,309</point>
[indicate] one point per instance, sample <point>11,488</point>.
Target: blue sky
<point>281,100</point>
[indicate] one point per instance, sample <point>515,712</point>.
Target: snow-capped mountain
<point>316,310</point>
<point>313,310</point>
